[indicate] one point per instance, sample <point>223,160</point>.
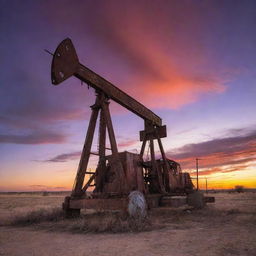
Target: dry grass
<point>37,216</point>
<point>108,222</point>
<point>224,228</point>
<point>50,217</point>
<point>99,222</point>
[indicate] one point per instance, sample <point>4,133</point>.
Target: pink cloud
<point>221,155</point>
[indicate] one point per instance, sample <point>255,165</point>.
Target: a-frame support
<point>101,105</point>
<point>157,184</point>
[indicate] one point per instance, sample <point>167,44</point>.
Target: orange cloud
<point>127,143</point>
<point>154,61</point>
<point>158,81</point>
<point>233,155</point>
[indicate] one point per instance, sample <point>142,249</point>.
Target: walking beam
<point>65,63</point>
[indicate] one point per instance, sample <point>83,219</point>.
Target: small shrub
<point>45,193</point>
<point>239,189</point>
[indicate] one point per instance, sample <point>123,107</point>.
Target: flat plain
<point>226,227</point>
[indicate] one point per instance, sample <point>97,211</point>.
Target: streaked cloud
<point>232,144</point>
<point>65,157</point>
<point>44,187</point>
<point>150,57</point>
<point>127,143</point>
<point>220,155</point>
<point>33,138</point>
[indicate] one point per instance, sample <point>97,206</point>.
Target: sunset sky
<point>191,62</point>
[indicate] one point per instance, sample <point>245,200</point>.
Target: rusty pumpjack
<point>116,174</point>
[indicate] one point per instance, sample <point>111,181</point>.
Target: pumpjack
<point>118,173</point>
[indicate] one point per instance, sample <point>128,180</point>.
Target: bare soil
<point>227,227</point>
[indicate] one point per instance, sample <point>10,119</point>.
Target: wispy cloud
<point>152,60</point>
<point>36,102</point>
<point>33,138</point>
<point>65,157</point>
<point>126,143</point>
<point>142,47</point>
<point>226,154</point>
<point>76,154</point>
<point>44,187</point>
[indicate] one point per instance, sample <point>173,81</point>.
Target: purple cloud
<point>35,137</point>
<point>226,145</point>
<point>65,157</point>
<point>234,151</point>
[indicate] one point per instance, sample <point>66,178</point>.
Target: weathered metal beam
<point>143,148</point>
<point>153,133</point>
<point>86,153</point>
<point>109,203</point>
<point>101,168</point>
<point>157,181</point>
<point>65,63</point>
<point>166,168</point>
<point>99,83</point>
<point>88,184</point>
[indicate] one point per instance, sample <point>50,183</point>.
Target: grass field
<point>32,224</point>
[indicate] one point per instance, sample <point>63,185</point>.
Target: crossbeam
<point>65,63</point>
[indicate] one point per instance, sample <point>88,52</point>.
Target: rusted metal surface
<point>166,169</point>
<point>88,184</point>
<point>116,165</point>
<point>101,168</point>
<point>153,201</point>
<point>156,183</point>
<point>173,201</point>
<point>143,148</point>
<point>85,153</point>
<point>132,178</point>
<point>153,133</point>
<point>119,183</point>
<point>65,64</point>
<point>133,171</point>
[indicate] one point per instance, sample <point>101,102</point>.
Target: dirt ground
<point>227,227</point>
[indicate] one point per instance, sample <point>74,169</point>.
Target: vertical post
<point>77,190</point>
<point>143,148</point>
<point>102,140</point>
<point>152,154</point>
<point>109,125</point>
<point>165,167</point>
<point>206,185</point>
<point>100,171</point>
<point>153,175</point>
<point>118,165</point>
<point>157,177</point>
<point>197,174</point>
